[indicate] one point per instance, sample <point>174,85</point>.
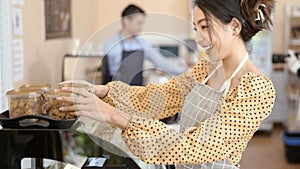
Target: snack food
<point>24,103</point>
<point>54,105</point>
<point>39,100</point>
<point>44,88</point>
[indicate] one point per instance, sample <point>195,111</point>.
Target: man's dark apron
<point>131,67</point>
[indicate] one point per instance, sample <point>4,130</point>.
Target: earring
<point>234,34</point>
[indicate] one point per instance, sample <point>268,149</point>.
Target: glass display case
<point>63,145</point>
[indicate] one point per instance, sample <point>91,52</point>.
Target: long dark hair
<point>246,11</point>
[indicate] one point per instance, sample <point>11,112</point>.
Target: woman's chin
<point>209,51</point>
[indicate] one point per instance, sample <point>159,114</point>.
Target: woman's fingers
<point>74,108</point>
<point>101,90</point>
<point>82,92</point>
<point>81,113</point>
<point>84,113</point>
<point>83,104</point>
<point>80,82</point>
<point>75,100</point>
<point>66,82</point>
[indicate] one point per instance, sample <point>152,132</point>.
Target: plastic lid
<point>59,92</point>
<point>20,92</point>
<point>35,86</point>
<point>73,85</point>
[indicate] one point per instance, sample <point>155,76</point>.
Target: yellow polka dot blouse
<point>245,107</point>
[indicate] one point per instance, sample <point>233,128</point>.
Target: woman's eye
<point>195,29</point>
<point>204,27</point>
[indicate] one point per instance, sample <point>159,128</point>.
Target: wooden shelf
<point>292,20</point>
<point>295,42</point>
<point>292,115</point>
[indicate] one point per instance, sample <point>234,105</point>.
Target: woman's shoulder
<point>201,68</point>
<point>254,84</point>
<point>255,79</point>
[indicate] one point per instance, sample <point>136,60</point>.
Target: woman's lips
<point>208,49</point>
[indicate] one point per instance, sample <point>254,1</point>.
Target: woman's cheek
<point>222,45</point>
<point>217,48</point>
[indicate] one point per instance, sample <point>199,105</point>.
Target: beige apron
<point>201,103</point>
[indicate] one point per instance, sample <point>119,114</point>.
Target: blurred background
<point>48,41</point>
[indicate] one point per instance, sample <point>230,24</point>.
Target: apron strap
<point>209,76</point>
<point>226,86</point>
<point>227,83</point>
<point>236,71</point>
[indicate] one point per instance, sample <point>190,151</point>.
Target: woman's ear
<point>236,26</point>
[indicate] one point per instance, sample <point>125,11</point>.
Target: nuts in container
<point>44,88</point>
<point>54,105</point>
<point>23,103</point>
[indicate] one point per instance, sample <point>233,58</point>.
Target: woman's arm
<point>155,101</point>
<point>222,136</point>
<point>234,125</point>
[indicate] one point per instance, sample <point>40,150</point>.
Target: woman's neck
<point>231,62</point>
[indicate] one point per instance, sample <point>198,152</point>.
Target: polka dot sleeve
<point>155,101</point>
<point>233,126</point>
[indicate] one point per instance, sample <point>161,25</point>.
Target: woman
<point>219,117</point>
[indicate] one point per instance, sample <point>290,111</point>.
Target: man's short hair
<point>132,9</point>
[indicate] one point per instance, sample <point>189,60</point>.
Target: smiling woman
<point>223,99</point>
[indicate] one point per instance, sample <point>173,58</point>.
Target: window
<point>6,68</point>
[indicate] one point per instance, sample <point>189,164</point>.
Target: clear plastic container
<point>54,105</point>
<point>81,86</point>
<point>44,88</point>
<point>23,103</point>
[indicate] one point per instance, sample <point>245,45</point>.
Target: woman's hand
<point>99,90</point>
<point>87,104</point>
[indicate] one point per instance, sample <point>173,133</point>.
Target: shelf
<point>292,111</point>
<point>292,20</point>
<point>295,42</point>
<point>295,16</point>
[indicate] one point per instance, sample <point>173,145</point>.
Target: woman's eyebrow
<point>199,21</point>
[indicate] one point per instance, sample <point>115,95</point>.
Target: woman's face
<point>215,37</point>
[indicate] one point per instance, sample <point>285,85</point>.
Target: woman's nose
<point>199,38</point>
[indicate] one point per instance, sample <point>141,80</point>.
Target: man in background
<point>126,51</point>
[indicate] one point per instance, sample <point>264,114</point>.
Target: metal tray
<point>40,122</point>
